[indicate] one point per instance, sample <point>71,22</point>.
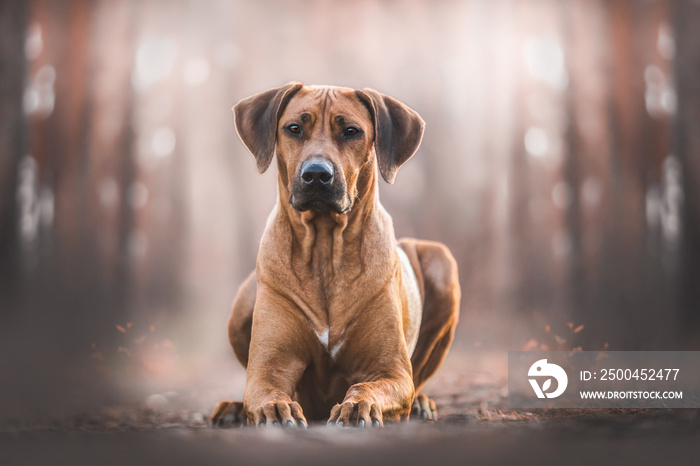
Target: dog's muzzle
<point>316,187</point>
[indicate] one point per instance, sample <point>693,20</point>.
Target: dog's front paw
<point>360,413</point>
<point>228,414</point>
<point>279,413</point>
<point>424,408</point>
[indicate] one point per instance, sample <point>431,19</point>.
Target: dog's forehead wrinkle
<point>324,109</point>
<point>325,97</point>
<point>328,105</point>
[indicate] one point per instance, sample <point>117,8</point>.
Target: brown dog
<point>338,321</point>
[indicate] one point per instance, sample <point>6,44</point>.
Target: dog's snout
<point>318,185</point>
<point>316,172</point>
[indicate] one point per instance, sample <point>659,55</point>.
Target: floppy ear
<point>398,131</point>
<point>256,121</point>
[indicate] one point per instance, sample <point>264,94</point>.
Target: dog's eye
<point>351,131</point>
<point>294,128</point>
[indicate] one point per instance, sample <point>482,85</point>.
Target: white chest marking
<point>332,350</point>
<point>323,337</point>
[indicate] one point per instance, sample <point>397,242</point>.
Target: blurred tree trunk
<point>85,137</point>
<point>687,138</point>
<point>112,166</point>
<point>12,136</point>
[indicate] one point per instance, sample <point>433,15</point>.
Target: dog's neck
<point>318,240</point>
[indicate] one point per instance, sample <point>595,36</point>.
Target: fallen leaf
<point>578,329</point>
<point>121,329</point>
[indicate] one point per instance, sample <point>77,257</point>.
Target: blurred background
<point>561,165</point>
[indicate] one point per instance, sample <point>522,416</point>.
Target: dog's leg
<point>241,320</point>
<point>281,345</point>
<point>436,270</point>
<point>377,361</point>
<point>268,397</point>
<point>231,413</point>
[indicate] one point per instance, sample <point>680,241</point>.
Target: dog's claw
<point>356,413</point>
<point>424,408</point>
<point>285,414</point>
<point>228,414</point>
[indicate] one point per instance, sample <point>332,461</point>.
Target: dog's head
<point>327,140</point>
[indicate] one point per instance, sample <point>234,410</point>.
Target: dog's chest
<point>342,301</point>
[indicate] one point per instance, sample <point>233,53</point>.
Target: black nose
<point>316,172</point>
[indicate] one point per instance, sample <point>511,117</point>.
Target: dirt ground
<point>475,427</point>
<point>142,438</point>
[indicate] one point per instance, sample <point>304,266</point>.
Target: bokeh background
<point>561,165</point>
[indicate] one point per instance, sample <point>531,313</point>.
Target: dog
<point>339,321</point>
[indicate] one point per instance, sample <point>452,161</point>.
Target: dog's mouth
<point>320,203</point>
